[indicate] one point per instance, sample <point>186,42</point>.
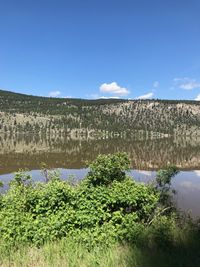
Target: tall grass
<point>67,253</point>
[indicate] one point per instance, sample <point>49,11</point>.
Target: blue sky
<point>101,48</point>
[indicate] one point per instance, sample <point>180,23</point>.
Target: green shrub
<point>108,206</point>
<point>164,177</point>
<point>163,185</point>
<point>108,168</point>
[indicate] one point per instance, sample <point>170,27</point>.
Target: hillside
<point>105,117</point>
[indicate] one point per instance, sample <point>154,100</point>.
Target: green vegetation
<point>104,117</point>
<point>67,253</point>
<point>106,220</point>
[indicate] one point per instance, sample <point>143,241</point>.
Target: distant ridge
<point>21,113</point>
<point>9,93</point>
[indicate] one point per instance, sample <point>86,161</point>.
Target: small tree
<point>163,184</point>
<point>164,177</point>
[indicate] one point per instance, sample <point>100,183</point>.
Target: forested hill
<point>24,113</point>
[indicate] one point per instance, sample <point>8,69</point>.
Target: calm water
<point>70,155</point>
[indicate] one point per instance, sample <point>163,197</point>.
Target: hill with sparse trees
<point>102,117</point>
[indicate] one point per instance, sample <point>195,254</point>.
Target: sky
<point>101,48</point>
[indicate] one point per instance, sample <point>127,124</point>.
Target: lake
<point>147,156</point>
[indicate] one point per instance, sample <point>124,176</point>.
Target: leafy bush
<point>108,168</point>
<point>107,206</point>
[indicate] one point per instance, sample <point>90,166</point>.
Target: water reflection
<point>70,155</point>
<point>59,152</point>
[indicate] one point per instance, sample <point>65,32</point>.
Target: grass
<point>66,253</point>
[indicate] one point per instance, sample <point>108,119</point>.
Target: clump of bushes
<point>105,208</point>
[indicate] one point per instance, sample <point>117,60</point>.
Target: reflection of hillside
<point>29,152</point>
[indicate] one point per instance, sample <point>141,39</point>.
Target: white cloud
<point>109,97</point>
<point>186,83</point>
<point>146,96</point>
<point>197,172</point>
<point>96,96</point>
<point>67,96</point>
<point>190,185</point>
<point>198,97</point>
<point>114,88</point>
<point>54,94</point>
<point>156,84</point>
